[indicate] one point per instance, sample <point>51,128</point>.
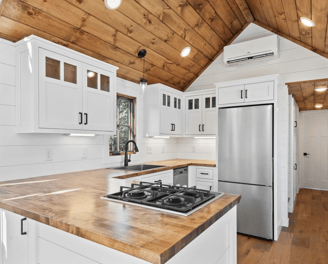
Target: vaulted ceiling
<point>163,28</point>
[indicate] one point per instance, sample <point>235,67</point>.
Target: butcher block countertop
<point>71,202</point>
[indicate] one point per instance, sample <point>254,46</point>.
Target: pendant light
<point>143,82</point>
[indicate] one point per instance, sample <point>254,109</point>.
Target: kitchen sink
<point>140,167</point>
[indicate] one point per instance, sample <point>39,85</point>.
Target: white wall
<point>23,155</point>
<point>294,64</point>
<point>196,148</point>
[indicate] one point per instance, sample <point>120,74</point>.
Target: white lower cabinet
<point>15,238</point>
<point>204,185</point>
<point>50,253</point>
<point>165,177</point>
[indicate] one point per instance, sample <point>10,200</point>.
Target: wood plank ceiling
<point>307,97</point>
<point>163,28</point>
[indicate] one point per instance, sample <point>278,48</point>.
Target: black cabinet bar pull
<point>173,127</point>
<point>86,118</point>
<point>295,167</point>
<point>202,173</point>
<point>241,96</point>
<point>22,227</point>
<point>203,127</point>
<point>81,117</point>
<point>246,94</point>
<point>200,128</point>
<point>295,124</point>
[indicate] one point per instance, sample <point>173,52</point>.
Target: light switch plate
<point>48,155</point>
<point>149,149</point>
<point>84,153</point>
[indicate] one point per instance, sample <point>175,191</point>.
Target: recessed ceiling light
<point>318,105</point>
<point>113,4</point>
<point>185,52</point>
<point>321,89</point>
<point>307,22</point>
<point>91,74</point>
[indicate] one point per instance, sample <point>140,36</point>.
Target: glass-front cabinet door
<point>209,114</point>
<point>98,99</point>
<point>60,91</point>
<point>193,115</point>
<point>166,122</point>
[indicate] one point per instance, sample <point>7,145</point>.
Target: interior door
<point>98,99</point>
<point>259,91</point>
<point>315,163</point>
<point>194,115</point>
<point>167,120</point>
<point>232,95</point>
<point>209,114</point>
<point>60,91</point>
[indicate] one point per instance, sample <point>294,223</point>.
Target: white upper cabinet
<point>252,92</point>
<point>231,95</point>
<point>98,99</point>
<point>201,114</point>
<point>62,91</point>
<point>259,91</point>
<point>163,111</point>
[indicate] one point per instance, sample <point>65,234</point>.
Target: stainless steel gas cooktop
<point>163,197</point>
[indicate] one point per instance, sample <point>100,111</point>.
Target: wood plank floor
<point>305,241</point>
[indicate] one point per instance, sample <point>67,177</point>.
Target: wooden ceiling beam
<point>279,13</point>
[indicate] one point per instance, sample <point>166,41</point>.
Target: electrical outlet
<point>49,155</point>
<point>84,153</point>
<point>193,148</point>
<point>149,149</point>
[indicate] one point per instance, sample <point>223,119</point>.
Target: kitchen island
<point>57,206</point>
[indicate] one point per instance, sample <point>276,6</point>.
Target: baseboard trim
<point>285,222</point>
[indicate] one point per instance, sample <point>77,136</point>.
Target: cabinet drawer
<point>204,185</point>
<point>164,177</point>
<point>50,253</point>
<point>204,174</point>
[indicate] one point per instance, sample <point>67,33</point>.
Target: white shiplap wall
<point>23,155</point>
<point>294,64</point>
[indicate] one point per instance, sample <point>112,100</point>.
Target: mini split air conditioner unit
<point>253,50</point>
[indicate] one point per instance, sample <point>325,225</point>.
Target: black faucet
<point>126,160</point>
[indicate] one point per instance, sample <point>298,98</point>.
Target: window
<point>125,112</point>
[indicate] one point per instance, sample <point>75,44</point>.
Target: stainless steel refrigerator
<point>246,165</point>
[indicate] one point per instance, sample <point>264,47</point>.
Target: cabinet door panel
<point>231,95</point>
<point>60,91</point>
<point>177,116</point>
<point>259,92</point>
<point>98,99</point>
<point>194,115</point>
<point>165,178</point>
<point>14,244</point>
<point>166,115</point>
<point>209,115</point>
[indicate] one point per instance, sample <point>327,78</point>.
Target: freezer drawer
<point>254,212</point>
